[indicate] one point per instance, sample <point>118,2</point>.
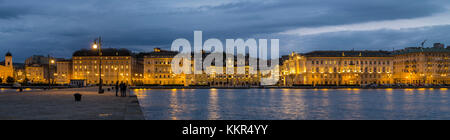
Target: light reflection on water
<point>9,90</point>
<point>294,104</point>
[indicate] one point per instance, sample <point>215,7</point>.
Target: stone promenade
<point>59,104</point>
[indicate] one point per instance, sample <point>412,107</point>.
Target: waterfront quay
<point>59,104</point>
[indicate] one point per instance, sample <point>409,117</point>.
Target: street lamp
<point>50,62</point>
<point>117,75</point>
<point>98,46</point>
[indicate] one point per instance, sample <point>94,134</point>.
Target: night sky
<point>59,27</point>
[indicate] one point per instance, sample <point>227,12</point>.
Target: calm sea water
<point>294,104</point>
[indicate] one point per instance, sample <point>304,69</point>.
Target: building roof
<point>420,49</point>
<point>160,54</point>
<point>8,54</point>
<point>105,52</point>
<point>63,60</point>
<point>34,65</point>
<point>348,54</point>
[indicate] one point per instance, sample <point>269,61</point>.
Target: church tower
<point>8,60</point>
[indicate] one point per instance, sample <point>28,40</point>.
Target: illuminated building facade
<point>7,69</point>
<point>19,73</point>
<point>232,80</point>
<point>422,66</point>
<point>158,69</point>
<point>230,76</point>
<point>338,68</point>
<point>293,70</point>
<point>64,70</point>
<point>35,73</point>
<point>117,65</point>
<point>416,66</point>
<point>40,69</point>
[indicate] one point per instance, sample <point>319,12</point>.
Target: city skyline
<point>69,57</point>
<point>411,65</point>
<point>60,28</point>
<point>64,58</point>
<point>245,63</point>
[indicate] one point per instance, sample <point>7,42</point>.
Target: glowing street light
<point>117,75</point>
<point>95,46</point>
<point>49,77</point>
<point>98,46</point>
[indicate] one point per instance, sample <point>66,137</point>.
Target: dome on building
<point>8,54</point>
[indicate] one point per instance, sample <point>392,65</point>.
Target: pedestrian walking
<point>117,88</point>
<point>125,87</point>
<point>121,88</point>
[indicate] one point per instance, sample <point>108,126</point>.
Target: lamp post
<point>86,77</point>
<point>117,75</point>
<point>410,78</point>
<point>98,46</point>
<point>50,62</point>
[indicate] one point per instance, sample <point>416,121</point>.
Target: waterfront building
<point>158,69</point>
<point>232,80</point>
<point>338,68</point>
<point>349,67</point>
<point>222,76</point>
<point>64,70</point>
<point>40,69</point>
<point>422,66</point>
<point>7,68</point>
<point>35,73</point>
<point>415,65</point>
<point>293,70</point>
<point>117,65</point>
<point>19,72</point>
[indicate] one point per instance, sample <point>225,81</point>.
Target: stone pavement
<point>59,104</point>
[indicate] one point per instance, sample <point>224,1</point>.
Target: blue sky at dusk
<point>56,27</point>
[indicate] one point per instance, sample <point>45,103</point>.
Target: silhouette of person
<point>125,86</point>
<point>121,89</point>
<point>117,88</point>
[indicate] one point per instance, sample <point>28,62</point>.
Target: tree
<point>10,80</point>
<point>1,80</point>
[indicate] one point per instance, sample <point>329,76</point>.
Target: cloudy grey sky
<point>59,27</point>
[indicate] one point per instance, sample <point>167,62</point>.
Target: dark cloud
<point>61,27</point>
<point>11,12</point>
<point>367,40</point>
